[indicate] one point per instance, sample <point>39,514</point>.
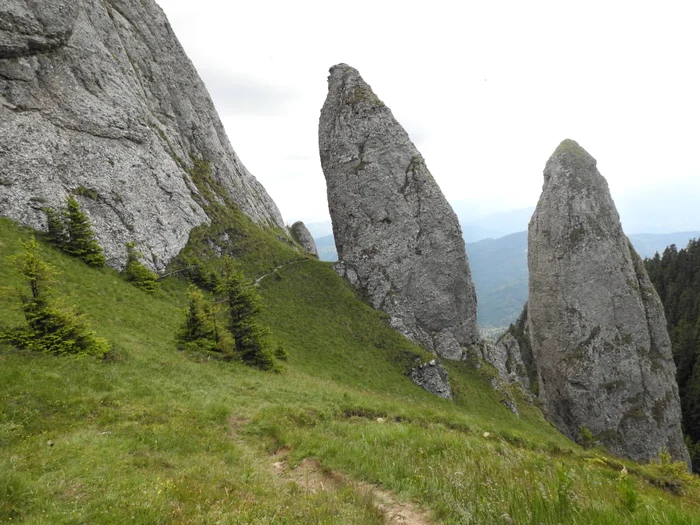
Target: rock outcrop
<point>399,242</point>
<point>302,235</point>
<point>98,99</point>
<point>433,377</point>
<point>597,326</point>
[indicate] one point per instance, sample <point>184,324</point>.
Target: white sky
<point>487,89</point>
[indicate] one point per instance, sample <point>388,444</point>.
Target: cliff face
<point>596,324</point>
<point>98,99</point>
<point>399,242</point>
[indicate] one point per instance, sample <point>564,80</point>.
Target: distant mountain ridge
<point>499,269</point>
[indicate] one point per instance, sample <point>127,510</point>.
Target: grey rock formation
<point>433,377</point>
<point>302,235</point>
<point>596,324</point>
<point>506,357</point>
<point>98,98</point>
<point>399,242</point>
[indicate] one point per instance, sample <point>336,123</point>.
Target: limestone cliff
<point>596,324</point>
<point>399,242</point>
<point>98,99</point>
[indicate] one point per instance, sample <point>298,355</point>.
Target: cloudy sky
<point>486,89</point>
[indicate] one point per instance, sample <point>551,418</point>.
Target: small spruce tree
<point>56,228</point>
<point>136,273</point>
<point>81,240</point>
<point>200,331</point>
<point>50,327</point>
<point>244,305</point>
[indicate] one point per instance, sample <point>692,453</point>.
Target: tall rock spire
<point>596,323</point>
<point>399,241</point>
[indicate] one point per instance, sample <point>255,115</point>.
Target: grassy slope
<point>158,436</point>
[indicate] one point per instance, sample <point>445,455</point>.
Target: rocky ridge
<point>596,324</point>
<point>98,99</point>
<point>399,241</point>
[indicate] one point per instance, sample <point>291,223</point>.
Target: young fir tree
<point>244,305</point>
<point>200,331</point>
<point>56,228</point>
<point>50,327</point>
<point>136,273</point>
<point>81,240</point>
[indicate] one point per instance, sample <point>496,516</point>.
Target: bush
<point>136,273</point>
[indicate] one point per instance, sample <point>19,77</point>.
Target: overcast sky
<point>486,89</point>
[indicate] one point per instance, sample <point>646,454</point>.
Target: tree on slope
<point>70,230</point>
<point>51,327</point>
<point>244,305</point>
<point>81,239</point>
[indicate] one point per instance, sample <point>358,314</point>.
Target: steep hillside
<point>154,435</point>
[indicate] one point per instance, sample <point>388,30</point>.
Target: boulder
<point>399,241</point>
<point>301,234</point>
<point>596,324</point>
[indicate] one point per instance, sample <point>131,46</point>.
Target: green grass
<point>159,436</point>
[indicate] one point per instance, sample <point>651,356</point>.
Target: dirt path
<point>259,279</point>
<point>312,477</point>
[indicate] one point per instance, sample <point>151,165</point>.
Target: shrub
<point>136,273</point>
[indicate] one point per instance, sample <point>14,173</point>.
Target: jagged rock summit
<point>99,99</point>
<point>399,242</point>
<point>597,326</point>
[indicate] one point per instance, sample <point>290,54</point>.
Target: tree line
<point>676,277</point>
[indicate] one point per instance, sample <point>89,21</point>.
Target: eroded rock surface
<point>433,377</point>
<point>98,99</point>
<point>399,242</point>
<point>302,235</point>
<point>596,324</point>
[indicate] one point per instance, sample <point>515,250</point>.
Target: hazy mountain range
<point>497,243</point>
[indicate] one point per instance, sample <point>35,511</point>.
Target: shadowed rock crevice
<point>399,241</point>
<point>597,327</point>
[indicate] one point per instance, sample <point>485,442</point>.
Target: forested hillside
<point>676,276</point>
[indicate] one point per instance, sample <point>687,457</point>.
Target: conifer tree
<point>50,328</point>
<point>136,273</point>
<point>244,305</point>
<point>56,228</point>
<point>200,331</point>
<point>81,239</point>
